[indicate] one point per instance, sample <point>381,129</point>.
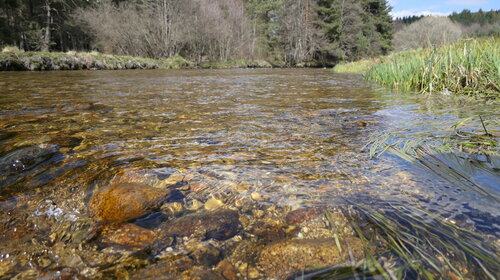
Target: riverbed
<point>238,174</point>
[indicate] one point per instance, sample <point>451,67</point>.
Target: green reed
<point>470,67</point>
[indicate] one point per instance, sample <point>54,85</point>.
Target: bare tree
<point>199,29</point>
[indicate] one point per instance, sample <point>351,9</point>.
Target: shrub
<point>10,49</point>
<point>427,32</point>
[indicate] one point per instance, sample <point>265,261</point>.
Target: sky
<point>439,7</point>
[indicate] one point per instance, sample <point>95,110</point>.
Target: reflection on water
<point>262,143</point>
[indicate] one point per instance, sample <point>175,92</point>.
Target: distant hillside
<point>480,23</point>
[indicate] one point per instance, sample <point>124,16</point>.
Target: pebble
<point>174,179</point>
<point>256,196</point>
<point>213,203</point>
<point>194,205</point>
<point>173,208</point>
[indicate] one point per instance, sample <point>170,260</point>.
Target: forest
<point>283,32</point>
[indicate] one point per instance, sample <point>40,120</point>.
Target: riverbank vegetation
<point>84,60</point>
<point>469,67</point>
<point>12,59</point>
<point>285,33</point>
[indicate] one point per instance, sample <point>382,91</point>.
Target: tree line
<point>286,32</point>
<point>473,24</point>
<point>468,18</point>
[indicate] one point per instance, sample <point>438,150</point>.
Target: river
<point>238,174</point>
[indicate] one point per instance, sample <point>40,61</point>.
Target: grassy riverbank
<point>237,63</point>
<point>39,61</point>
<point>470,67</point>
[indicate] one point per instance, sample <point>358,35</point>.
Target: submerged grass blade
<point>443,156</point>
<point>425,244</point>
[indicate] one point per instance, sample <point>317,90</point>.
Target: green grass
<point>13,59</point>
<point>236,63</point>
<point>357,67</point>
<point>470,67</point>
<point>16,60</point>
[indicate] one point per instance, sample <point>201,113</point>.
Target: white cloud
<point>406,13</point>
<point>393,3</point>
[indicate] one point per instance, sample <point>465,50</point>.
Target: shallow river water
<point>237,174</point>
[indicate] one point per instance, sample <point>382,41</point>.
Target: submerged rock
<point>220,224</point>
<point>285,257</point>
<point>125,201</point>
<point>20,164</point>
<point>303,215</point>
<point>129,235</point>
<point>66,141</point>
<point>204,253</point>
<point>227,270</point>
<point>181,269</point>
<point>6,134</point>
<point>25,159</point>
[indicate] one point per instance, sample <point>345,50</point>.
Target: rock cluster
<point>220,238</point>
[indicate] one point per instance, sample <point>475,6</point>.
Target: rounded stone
<point>125,201</point>
<point>220,224</point>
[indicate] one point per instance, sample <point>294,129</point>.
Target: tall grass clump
<point>357,67</point>
<point>470,67</point>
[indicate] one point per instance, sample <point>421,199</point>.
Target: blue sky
<point>439,7</point>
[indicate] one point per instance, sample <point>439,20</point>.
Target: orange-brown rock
<point>125,201</point>
<point>129,235</point>
<point>227,270</point>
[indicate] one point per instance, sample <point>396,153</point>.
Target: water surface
<point>290,139</point>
